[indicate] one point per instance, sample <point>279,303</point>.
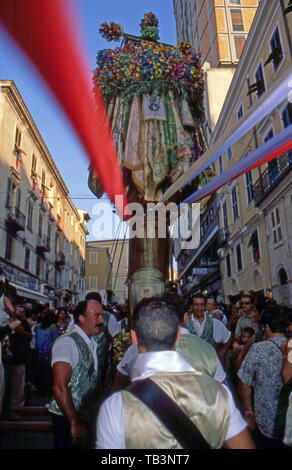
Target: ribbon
<point>46,31</point>
<point>269,101</point>
<point>280,144</point>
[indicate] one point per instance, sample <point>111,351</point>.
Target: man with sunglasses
<point>248,317</point>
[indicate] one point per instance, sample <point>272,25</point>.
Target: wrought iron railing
<point>272,177</point>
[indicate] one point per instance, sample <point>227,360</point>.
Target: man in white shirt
<point>208,328</point>
<point>111,327</point>
<point>125,422</point>
<point>213,309</point>
<point>75,371</point>
<point>125,367</point>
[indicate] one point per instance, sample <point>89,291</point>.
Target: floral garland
<point>147,66</point>
<point>121,343</point>
<point>111,32</point>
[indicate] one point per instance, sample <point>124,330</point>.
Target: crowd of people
<point>228,367</point>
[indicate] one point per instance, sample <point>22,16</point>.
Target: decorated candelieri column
<point>153,94</point>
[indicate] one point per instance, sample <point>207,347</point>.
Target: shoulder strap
<point>276,344</point>
<point>176,421</point>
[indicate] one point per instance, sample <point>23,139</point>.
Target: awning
<point>31,294</point>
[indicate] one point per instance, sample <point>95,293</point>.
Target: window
<point>249,187</point>
<point>273,166</point>
<point>276,226</point>
<point>283,277</point>
<point>259,77</point>
<point>43,182</point>
<point>255,245</point>
<point>8,247</point>
<point>228,265</point>
<point>29,215</point>
<point>49,235</point>
<point>221,165</point>
<point>237,20</point>
<point>17,140</point>
<point>92,282</point>
<point>93,258</point>
<point>239,258</point>
<point>287,121</point>
<point>235,2</point>
<point>57,244</point>
<point>40,226</point>
<point>276,49</point>
<point>239,42</point>
<point>9,193</point>
<point>38,265</point>
<point>234,204</point>
<point>18,198</point>
<point>229,154</point>
<point>240,112</point>
<point>26,259</point>
<point>47,272</point>
<point>33,164</point>
<point>287,116</point>
<point>225,215</point>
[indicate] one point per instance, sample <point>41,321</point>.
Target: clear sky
<point>61,141</point>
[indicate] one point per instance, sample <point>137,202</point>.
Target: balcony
<point>272,177</point>
<point>43,244</point>
<point>15,219</point>
<point>223,236</point>
<point>60,259</point>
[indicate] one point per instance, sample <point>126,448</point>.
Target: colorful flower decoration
<point>149,20</point>
<point>121,343</point>
<point>149,27</point>
<point>111,32</point>
<point>184,47</point>
<point>146,66</point>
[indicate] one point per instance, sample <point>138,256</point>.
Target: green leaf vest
<point>198,352</point>
<point>82,383</point>
<point>207,332</point>
<point>103,341</point>
<point>204,400</point>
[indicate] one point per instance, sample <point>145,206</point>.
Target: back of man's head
<point>156,324</point>
<point>94,296</point>
<point>275,317</point>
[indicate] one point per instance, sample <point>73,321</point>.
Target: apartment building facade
<point>254,210</point>
<point>107,264</point>
<point>42,234</point>
<point>218,30</point>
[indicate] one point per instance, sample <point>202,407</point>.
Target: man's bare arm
<point>9,308</point>
<point>287,362</point>
<point>245,395</point>
<point>62,374</point>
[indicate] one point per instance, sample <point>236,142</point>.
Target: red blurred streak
<point>43,30</point>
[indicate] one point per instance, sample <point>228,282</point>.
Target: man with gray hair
<point>75,378</point>
<point>126,422</point>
